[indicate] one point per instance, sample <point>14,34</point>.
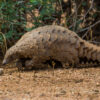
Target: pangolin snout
<point>4,62</point>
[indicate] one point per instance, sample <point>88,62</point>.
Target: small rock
<point>96,91</point>
<point>62,92</point>
<point>1,71</point>
<point>41,95</point>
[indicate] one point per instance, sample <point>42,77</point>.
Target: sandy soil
<point>60,84</point>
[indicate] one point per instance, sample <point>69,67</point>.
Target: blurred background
<point>19,16</point>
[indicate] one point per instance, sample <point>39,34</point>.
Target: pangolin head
<point>9,56</point>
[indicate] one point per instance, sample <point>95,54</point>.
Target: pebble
<point>1,71</point>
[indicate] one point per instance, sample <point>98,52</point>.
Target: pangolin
<point>51,42</point>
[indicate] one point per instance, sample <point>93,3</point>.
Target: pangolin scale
<point>52,42</point>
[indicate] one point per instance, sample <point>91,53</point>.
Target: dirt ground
<point>60,84</point>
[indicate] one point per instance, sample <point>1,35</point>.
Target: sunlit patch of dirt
<point>60,84</point>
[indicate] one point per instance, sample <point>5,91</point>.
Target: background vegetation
<point>20,16</point>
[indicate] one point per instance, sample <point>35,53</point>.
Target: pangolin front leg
<point>30,63</point>
<point>20,63</point>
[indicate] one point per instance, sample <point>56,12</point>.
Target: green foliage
<point>13,16</point>
<point>84,3</point>
<point>46,10</point>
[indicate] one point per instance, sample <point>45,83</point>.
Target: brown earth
<point>60,84</point>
